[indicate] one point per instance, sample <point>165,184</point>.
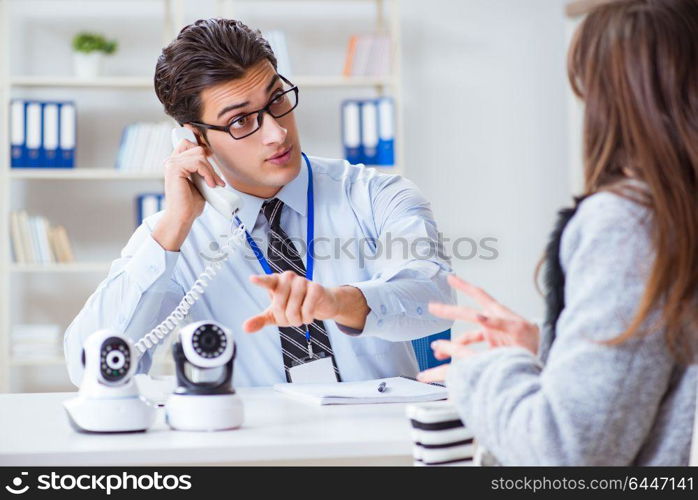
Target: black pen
<point>382,387</point>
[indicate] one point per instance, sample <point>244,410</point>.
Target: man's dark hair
<point>205,53</point>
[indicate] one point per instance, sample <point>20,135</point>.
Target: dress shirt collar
<point>293,194</point>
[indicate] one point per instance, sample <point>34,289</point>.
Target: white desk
<point>34,430</point>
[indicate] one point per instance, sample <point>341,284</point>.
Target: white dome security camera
<point>114,354</point>
<point>204,399</point>
<point>108,399</point>
<point>207,344</point>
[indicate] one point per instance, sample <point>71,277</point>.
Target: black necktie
<point>283,256</point>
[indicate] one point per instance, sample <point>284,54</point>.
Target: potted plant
<point>89,49</point>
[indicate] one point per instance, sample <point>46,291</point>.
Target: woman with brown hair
<point>612,380</point>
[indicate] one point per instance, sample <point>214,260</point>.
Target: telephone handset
<point>227,203</point>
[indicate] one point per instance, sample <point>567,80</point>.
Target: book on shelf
<point>144,147</point>
<point>368,131</point>
<point>61,244</point>
<point>368,55</point>
<point>36,241</point>
<point>42,134</point>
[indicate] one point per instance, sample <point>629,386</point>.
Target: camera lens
<point>209,341</point>
<point>115,359</point>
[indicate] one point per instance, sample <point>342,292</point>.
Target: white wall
<point>575,122</point>
<point>485,117</point>
<point>484,85</point>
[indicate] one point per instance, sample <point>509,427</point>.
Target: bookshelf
<point>82,174</point>
<point>5,256</point>
<point>147,83</point>
<point>57,361</point>
<point>386,20</point>
<point>69,267</point>
<point>74,82</point>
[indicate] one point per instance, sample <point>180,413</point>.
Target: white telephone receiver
<point>226,202</point>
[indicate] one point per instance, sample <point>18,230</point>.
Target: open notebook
<point>397,390</point>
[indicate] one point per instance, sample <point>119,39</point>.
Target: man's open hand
<point>295,301</point>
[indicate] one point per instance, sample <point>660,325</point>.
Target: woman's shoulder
<point>609,222</point>
<point>611,206</point>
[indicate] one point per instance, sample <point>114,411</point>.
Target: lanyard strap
<point>310,235</point>
<point>310,231</point>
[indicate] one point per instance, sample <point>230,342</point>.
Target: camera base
<point>215,412</point>
<point>89,415</point>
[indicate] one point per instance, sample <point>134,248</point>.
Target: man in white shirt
<point>377,259</point>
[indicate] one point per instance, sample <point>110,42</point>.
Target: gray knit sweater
<point>587,403</point>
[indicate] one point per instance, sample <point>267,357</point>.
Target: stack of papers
<point>397,390</point>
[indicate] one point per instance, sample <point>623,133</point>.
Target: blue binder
<point>50,134</point>
<point>369,132</point>
<point>33,138</point>
<point>67,135</point>
<point>18,134</point>
<point>385,155</point>
<point>351,131</point>
<point>148,204</point>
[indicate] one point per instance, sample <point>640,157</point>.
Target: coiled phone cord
<point>157,334</point>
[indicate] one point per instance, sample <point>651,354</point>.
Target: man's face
<point>265,161</point>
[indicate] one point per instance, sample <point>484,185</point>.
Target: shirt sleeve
<point>592,403</point>
<point>407,263</point>
<point>136,295</point>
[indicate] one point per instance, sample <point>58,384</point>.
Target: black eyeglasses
<point>281,104</point>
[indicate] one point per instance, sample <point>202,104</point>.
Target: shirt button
<point>383,309</point>
<point>152,269</point>
<point>380,322</point>
<point>420,311</point>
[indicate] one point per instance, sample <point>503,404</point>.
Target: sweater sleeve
<point>592,403</point>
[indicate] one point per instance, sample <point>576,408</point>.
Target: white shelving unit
<point>74,174</point>
<point>69,81</point>
<point>387,19</point>
<point>72,267</point>
<point>5,255</point>
<point>146,83</point>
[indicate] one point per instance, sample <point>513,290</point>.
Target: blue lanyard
<point>310,235</point>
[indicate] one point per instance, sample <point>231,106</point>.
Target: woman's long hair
<point>634,63</point>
